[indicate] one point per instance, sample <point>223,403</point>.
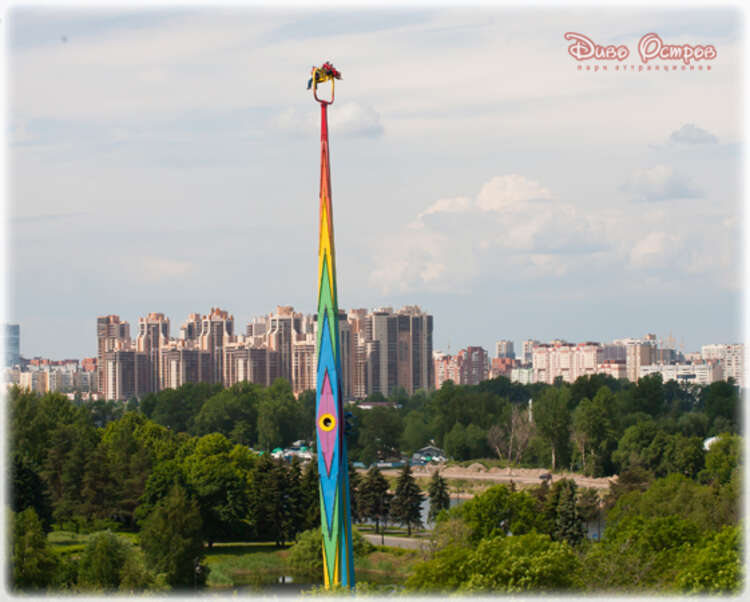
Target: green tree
<point>439,496</point>
<point>375,501</point>
<point>640,553</point>
<point>416,432</point>
<point>305,557</point>
<point>176,408</point>
<point>172,541</point>
<point>721,400</point>
<point>279,415</point>
<point>355,482</point>
<point>232,412</point>
<point>498,511</point>
<point>380,431</point>
<point>723,458</point>
<point>406,507</point>
<point>102,561</point>
<point>310,486</point>
<point>271,508</point>
<point>715,566</point>
<point>28,490</point>
<point>456,445</point>
<point>593,433</point>
<point>526,563</point>
<point>220,488</point>
<point>632,446</point>
<point>32,564</point>
<point>710,507</point>
<point>553,421</point>
<point>569,524</point>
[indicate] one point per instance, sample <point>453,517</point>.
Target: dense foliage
<point>671,534</point>
<point>179,469</point>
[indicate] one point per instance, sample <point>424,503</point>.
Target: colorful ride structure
<point>336,521</point>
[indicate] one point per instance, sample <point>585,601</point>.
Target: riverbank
<point>522,477</point>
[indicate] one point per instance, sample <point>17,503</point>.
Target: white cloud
<point>158,269</point>
<point>513,223</point>
<point>504,191</point>
<point>659,183</point>
<point>355,120</point>
<point>657,250</point>
<point>692,134</point>
<point>450,205</point>
<point>349,119</point>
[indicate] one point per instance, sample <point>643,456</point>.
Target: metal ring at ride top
<point>333,91</point>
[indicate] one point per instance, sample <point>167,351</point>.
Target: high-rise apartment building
<point>504,349</point>
<point>153,334</point>
<point>126,374</point>
<point>12,344</point>
<point>246,362</point>
<point>191,329</point>
<point>568,361</point>
<point>638,352</point>
<point>731,357</point>
<point>217,329</point>
<point>112,334</point>
<point>181,361</point>
<point>699,374</point>
<point>528,350</point>
<point>401,342</point>
<point>469,366</point>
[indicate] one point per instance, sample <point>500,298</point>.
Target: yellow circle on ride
<point>327,422</point>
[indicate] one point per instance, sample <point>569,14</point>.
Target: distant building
<point>730,356</point>
<point>217,329</point>
<point>504,349</point>
<point>568,361</point>
<point>522,374</point>
<point>502,366</point>
<point>111,335</point>
<point>389,350</point>
<point>153,334</point>
<point>12,344</point>
<point>638,352</point>
<point>615,368</point>
<point>469,366</point>
<point>699,374</point>
<point>528,350</point>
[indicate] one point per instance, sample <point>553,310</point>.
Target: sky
<point>166,160</point>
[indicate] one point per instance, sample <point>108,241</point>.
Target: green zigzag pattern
<point>325,303</point>
<point>330,539</point>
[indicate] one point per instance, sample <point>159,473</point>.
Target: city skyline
<point>162,165</point>
<point>668,340</point>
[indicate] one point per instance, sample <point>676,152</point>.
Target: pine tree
<point>32,563</point>
<point>310,488</point>
<point>439,497</point>
<point>374,499</point>
<point>296,500</point>
<point>354,484</point>
<point>569,525</point>
<point>172,542</point>
<point>406,507</point>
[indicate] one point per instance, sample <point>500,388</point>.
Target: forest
<point>159,481</point>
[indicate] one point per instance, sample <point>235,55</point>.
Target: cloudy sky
<point>167,160</point>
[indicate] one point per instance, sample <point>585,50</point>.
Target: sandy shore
<point>521,476</point>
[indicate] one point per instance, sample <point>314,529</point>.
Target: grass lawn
<point>70,542</point>
<point>241,564</point>
<point>386,565</point>
<point>260,564</point>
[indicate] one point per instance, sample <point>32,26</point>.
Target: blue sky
<point>167,160</point>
